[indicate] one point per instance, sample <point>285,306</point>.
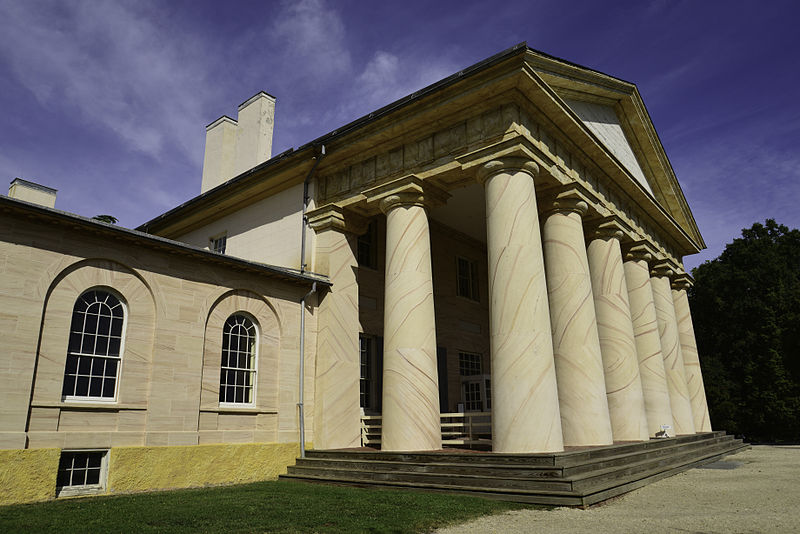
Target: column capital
<point>507,164</point>
<point>333,217</point>
<point>682,282</point>
<point>640,250</point>
<point>569,199</point>
<point>407,191</point>
<point>606,228</point>
<point>662,268</point>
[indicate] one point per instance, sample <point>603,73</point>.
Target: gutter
<point>320,153</point>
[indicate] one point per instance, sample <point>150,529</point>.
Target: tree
<point>746,311</point>
<point>110,219</point>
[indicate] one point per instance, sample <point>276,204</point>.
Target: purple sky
<point>107,101</point>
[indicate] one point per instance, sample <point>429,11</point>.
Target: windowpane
<point>238,360</point>
<point>466,278</point>
<point>92,357</point>
<point>95,387</point>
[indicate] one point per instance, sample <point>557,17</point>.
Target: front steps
<point>571,478</point>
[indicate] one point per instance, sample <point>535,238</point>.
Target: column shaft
<point>673,359</point>
<point>617,341</point>
<point>336,402</point>
<point>648,345</point>
<point>691,362</point>
<point>411,418</point>
<point>525,416</point>
<point>576,345</point>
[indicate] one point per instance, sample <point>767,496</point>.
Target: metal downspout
<point>303,369</point>
<point>301,396</point>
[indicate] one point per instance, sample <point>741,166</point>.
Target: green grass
<point>262,507</point>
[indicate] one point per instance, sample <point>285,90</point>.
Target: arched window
<point>237,376</point>
<point>95,345</point>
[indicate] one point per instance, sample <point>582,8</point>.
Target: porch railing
<point>470,429</point>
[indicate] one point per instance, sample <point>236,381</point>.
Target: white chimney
<point>235,146</point>
<point>32,192</point>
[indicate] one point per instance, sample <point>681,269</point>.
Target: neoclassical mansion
<point>507,241</point>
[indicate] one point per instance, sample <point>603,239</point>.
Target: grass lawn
<point>279,506</point>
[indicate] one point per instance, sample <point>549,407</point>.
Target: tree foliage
<point>110,219</point>
<point>746,312</point>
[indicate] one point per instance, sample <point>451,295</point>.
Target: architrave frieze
<point>451,156</point>
<point>406,191</point>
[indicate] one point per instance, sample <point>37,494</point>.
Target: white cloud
<point>111,64</point>
<point>387,77</point>
<point>311,40</point>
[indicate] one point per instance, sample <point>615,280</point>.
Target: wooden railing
<point>470,429</point>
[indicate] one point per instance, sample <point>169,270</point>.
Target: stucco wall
<point>267,231</point>
<point>30,475</point>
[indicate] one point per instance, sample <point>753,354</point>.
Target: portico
<point>567,326</point>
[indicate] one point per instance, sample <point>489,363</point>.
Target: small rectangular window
<point>467,278</point>
<point>81,472</point>
<point>469,364</point>
<point>368,247</point>
<point>219,243</point>
<point>365,382</point>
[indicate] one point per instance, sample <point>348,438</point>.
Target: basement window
<point>82,472</point>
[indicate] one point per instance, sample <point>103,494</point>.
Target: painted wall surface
<point>156,468</point>
<point>175,307</point>
<point>267,231</point>
<point>604,123</point>
<point>28,475</point>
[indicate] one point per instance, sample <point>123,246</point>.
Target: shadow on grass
<point>279,506</point>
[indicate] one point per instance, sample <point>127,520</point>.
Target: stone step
<point>508,479</point>
<point>614,471</point>
<point>453,468</point>
<point>541,459</point>
<point>643,453</point>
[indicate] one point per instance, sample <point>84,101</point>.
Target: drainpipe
<point>302,369</point>
<point>300,406</point>
<point>317,158</point>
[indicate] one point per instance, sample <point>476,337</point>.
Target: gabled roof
<point>580,91</point>
<point>54,217</point>
<point>628,150</point>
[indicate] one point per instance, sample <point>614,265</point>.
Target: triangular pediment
<point>612,115</point>
<point>603,121</point>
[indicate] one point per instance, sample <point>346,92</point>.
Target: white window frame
<point>253,372</point>
<point>85,489</point>
<point>118,358</point>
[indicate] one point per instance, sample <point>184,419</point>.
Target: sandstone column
<point>671,350</point>
<point>576,345</point>
<point>411,418</point>
<point>525,414</point>
<point>648,341</point>
<point>691,361</point>
<point>337,416</point>
<point>617,341</point>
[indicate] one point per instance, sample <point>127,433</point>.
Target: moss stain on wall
<point>28,475</point>
<point>151,468</point>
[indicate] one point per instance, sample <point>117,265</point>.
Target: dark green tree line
<point>746,312</point>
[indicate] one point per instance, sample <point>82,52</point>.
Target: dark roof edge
<point>347,128</point>
<point>375,115</point>
<point>284,272</point>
